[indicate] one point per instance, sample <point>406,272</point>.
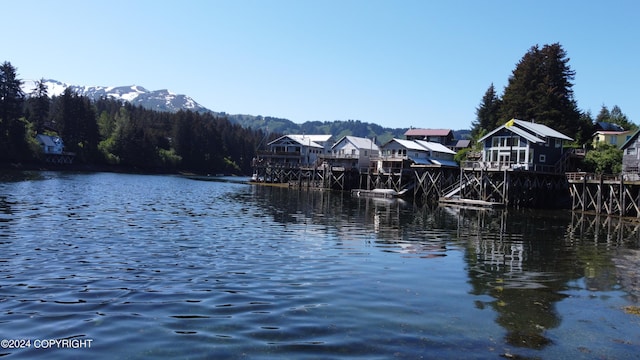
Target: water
<point>168,267</point>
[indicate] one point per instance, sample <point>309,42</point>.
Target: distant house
<point>461,144</point>
<point>53,150</point>
<point>631,157</point>
<point>611,137</point>
<point>399,154</point>
<point>50,144</point>
<point>523,145</point>
<point>441,136</point>
<point>295,150</point>
<point>353,152</point>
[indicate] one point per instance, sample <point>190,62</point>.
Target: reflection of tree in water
<point>521,262</point>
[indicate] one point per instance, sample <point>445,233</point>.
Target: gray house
<point>631,157</point>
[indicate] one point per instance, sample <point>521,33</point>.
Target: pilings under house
<point>602,194</point>
<point>473,184</point>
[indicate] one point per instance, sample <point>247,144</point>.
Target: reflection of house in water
<point>504,256</point>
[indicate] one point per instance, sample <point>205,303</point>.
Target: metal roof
<point>437,147</point>
<point>529,130</point>
<point>358,142</point>
<point>306,140</point>
<point>409,144</point>
<point>428,132</point>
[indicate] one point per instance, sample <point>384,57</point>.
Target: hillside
<point>164,100</point>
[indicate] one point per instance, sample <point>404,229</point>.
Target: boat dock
<point>471,203</point>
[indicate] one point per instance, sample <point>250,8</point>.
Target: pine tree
<point>487,114</point>
<point>13,145</point>
<point>615,116</point>
<point>38,106</point>
<point>540,90</point>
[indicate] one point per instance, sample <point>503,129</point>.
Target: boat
<point>377,193</point>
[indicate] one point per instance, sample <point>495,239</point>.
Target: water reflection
<point>526,262</point>
<point>218,269</point>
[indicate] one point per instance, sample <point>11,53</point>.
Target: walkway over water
<point>610,195</point>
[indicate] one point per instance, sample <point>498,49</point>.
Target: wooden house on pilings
<point>522,164</point>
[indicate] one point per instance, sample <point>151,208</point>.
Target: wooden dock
<point>471,203</point>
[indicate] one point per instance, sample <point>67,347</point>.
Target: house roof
<point>358,142</point>
<point>47,140</point>
<point>607,126</point>
<point>428,132</point>
<point>529,130</point>
<point>607,132</point>
<point>409,144</point>
<point>463,143</point>
<point>631,140</point>
<point>435,147</point>
<point>306,140</point>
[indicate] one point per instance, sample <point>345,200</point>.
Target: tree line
<point>108,132</point>
<point>540,89</point>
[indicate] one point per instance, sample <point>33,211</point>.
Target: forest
<point>107,133</point>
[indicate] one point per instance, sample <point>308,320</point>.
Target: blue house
<point>523,145</point>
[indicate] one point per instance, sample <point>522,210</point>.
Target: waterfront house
<point>295,150</point>
<point>438,154</point>
<point>351,152</point>
<point>50,144</point>
<point>631,157</point>
<point>53,149</point>
<point>399,154</point>
<point>523,145</point>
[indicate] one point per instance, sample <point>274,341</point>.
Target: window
<point>505,141</point>
<point>613,140</point>
<point>542,158</point>
<point>631,151</point>
<point>558,143</point>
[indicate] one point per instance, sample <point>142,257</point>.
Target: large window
<point>505,141</point>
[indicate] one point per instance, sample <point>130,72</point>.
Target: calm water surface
<point>168,267</point>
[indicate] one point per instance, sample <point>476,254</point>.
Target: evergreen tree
<point>13,145</point>
<point>540,90</point>
<point>487,114</point>
<point>38,106</point>
<point>615,116</point>
<point>75,120</point>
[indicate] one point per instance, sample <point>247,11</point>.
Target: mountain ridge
<point>165,100</point>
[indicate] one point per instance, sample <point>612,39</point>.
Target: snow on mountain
<point>160,100</point>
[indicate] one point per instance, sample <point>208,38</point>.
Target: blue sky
<point>394,63</point>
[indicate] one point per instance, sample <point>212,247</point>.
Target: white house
<point>398,154</point>
<point>296,150</point>
<point>439,154</point>
<point>353,152</point>
<point>50,144</point>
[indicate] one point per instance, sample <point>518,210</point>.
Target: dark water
<point>168,267</point>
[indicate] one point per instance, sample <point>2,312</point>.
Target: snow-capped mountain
<point>161,100</point>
